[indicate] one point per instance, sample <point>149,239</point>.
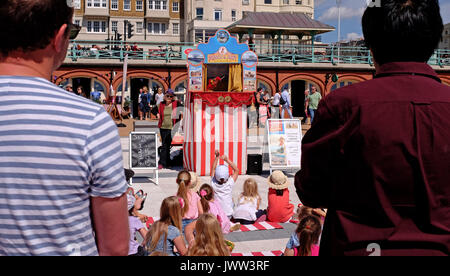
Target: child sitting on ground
<point>209,240</point>
<point>223,184</point>
<point>165,235</point>
<point>135,225</point>
<point>279,209</point>
<point>305,240</point>
<point>247,210</point>
<point>212,206</point>
<point>192,207</point>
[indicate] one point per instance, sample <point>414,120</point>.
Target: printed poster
<point>284,138</point>
<point>249,62</point>
<point>196,78</point>
<point>195,62</point>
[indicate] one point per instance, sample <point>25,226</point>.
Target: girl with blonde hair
<point>247,210</point>
<point>192,207</point>
<point>165,234</point>
<point>209,240</point>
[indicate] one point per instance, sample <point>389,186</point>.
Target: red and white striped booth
<point>215,121</point>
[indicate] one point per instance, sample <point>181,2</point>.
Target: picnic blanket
<point>262,254</point>
<point>258,226</point>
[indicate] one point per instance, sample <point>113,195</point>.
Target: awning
<point>278,23</point>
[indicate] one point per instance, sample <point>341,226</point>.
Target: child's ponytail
<point>206,194</point>
<point>308,232</point>
<point>183,180</point>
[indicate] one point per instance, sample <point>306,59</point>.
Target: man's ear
<point>59,42</point>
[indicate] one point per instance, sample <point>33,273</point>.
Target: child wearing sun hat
<point>279,209</point>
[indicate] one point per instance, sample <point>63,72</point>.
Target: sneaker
<point>160,167</point>
<point>235,227</point>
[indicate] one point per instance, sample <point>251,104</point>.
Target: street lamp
<point>338,3</point>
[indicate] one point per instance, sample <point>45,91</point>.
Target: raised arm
<point>233,166</point>
<point>216,162</point>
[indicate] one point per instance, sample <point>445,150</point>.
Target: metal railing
<point>167,52</point>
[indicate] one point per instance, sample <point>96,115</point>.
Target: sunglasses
<point>74,30</point>
<point>169,96</point>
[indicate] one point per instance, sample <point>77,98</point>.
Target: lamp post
<point>338,3</point>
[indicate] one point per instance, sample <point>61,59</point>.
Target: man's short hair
<point>403,30</point>
<point>29,25</point>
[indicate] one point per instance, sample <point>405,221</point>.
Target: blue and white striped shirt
<point>56,151</point>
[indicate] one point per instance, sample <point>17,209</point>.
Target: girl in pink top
<point>305,240</point>
<point>192,207</point>
<point>214,207</point>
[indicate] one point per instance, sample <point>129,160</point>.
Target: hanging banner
<point>195,78</point>
<point>195,60</point>
<point>249,62</point>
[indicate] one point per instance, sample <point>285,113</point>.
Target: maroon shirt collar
<point>407,68</point>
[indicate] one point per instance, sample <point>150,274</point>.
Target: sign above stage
<point>223,48</point>
<point>222,65</point>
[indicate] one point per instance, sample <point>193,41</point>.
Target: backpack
<point>282,100</point>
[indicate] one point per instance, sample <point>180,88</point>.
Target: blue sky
<point>351,13</point>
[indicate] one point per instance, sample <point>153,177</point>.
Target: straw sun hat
<point>278,181</point>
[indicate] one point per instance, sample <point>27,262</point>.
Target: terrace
<point>276,53</point>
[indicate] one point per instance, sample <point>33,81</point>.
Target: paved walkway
<point>253,241</point>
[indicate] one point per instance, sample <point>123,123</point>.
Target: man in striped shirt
<point>62,186</point>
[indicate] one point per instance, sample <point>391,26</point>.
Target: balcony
<point>160,14</point>
<point>271,53</point>
<point>96,12</point>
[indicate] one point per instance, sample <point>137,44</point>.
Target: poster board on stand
<point>284,138</point>
<point>144,153</point>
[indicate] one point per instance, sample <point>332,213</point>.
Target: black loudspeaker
<point>254,164</point>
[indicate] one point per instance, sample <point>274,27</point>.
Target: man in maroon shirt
<point>378,154</point>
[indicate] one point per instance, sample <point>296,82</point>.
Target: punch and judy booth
<point>222,82</point>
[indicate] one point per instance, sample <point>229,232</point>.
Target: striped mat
<point>259,254</point>
<point>258,226</point>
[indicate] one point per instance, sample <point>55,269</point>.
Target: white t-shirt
<point>224,194</point>
<point>276,99</point>
<point>246,209</point>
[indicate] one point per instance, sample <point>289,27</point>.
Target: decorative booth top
<point>223,65</point>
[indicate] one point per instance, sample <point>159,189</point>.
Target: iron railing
<point>167,52</point>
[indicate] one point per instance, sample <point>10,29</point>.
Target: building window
<point>199,13</point>
<point>157,5</point>
<point>268,2</point>
<point>114,26</point>
<point>245,2</point>
<point>233,15</point>
<point>139,5</point>
<point>114,5</point>
<point>96,27</point>
<point>127,5</point>
<point>176,28</point>
<point>217,15</point>
<point>298,2</point>
<point>96,3</point>
<point>156,28</point>
<point>286,2</point>
<point>139,27</point>
<point>175,7</point>
<point>77,4</point>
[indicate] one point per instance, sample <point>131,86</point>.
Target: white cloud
<point>346,12</point>
<point>353,36</point>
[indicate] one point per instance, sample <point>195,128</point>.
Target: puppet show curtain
<point>235,78</point>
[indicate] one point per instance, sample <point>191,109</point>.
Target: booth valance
<point>224,98</point>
